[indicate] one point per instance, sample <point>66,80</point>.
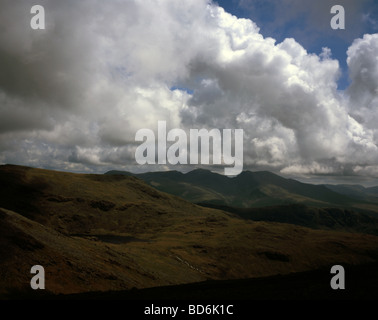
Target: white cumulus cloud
<point>73,96</point>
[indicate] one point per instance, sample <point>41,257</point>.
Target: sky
<point>73,96</point>
<point>309,23</point>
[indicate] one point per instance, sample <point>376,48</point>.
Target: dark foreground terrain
<point>115,237</point>
<point>361,283</point>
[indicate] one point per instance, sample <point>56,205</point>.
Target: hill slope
<point>356,192</point>
<point>101,233</point>
<point>339,219</point>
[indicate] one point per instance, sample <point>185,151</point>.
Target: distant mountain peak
<point>202,171</point>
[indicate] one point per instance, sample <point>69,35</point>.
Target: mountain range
<point>265,196</point>
<point>256,189</point>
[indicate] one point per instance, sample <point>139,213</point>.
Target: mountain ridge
<point>252,189</point>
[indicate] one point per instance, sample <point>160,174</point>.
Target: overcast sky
<point>72,96</point>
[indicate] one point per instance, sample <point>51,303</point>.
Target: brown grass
<point>69,223</point>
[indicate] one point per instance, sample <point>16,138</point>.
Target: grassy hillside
<point>339,219</point>
<point>357,192</point>
<point>103,232</point>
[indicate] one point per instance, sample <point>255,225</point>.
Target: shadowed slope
<point>101,233</point>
